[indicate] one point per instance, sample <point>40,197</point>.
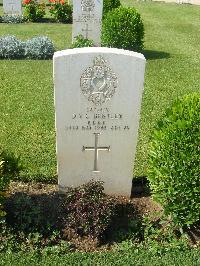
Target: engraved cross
<point>96,150</point>
<point>86,31</point>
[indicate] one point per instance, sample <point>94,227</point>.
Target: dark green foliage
<point>89,210</point>
<point>123,28</point>
<point>85,210</point>
<point>31,213</point>
<point>109,5</point>
<point>13,241</point>
<point>80,41</point>
<point>174,165</point>
<point>161,235</point>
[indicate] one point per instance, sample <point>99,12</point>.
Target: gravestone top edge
<point>94,50</point>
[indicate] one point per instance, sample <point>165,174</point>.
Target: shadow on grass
<point>151,55</point>
<point>126,223</point>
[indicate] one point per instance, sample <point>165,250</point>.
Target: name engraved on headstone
<point>85,19</point>
<point>96,121</point>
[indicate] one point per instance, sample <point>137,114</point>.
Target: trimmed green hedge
<point>123,28</point>
<point>109,5</point>
<point>174,165</point>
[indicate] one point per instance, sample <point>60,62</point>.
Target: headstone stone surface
<point>87,17</point>
<point>12,7</point>
<point>98,93</point>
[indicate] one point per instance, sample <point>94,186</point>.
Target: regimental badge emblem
<point>87,5</point>
<point>98,83</point>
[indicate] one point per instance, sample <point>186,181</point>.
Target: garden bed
<point>41,199</point>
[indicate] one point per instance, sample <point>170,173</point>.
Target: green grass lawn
<point>128,257</point>
<point>172,37</point>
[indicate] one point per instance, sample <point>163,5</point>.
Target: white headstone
<point>12,7</point>
<point>98,93</point>
<point>87,17</point>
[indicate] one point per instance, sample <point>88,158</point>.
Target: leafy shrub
<point>88,209</point>
<point>174,161</point>
<point>123,28</point>
<point>160,235</point>
<point>109,5</point>
<point>13,241</point>
<point>33,11</point>
<point>9,166</point>
<point>11,48</point>
<point>80,41</point>
<point>31,213</point>
<point>40,47</point>
<point>61,10</point>
<point>14,19</point>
